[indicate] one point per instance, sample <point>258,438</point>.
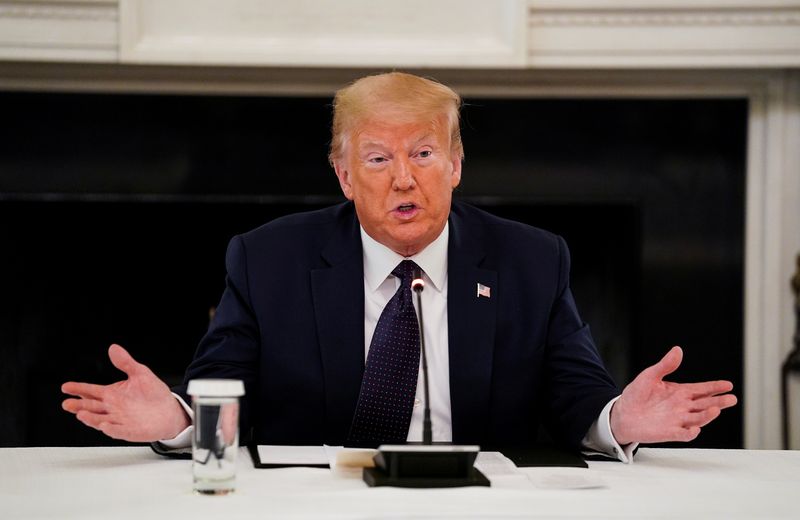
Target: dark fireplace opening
<point>116,210</point>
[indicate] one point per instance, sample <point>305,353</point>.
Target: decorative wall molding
<point>667,18</point>
<point>772,241</point>
<point>637,34</point>
<point>60,11</point>
<point>533,34</point>
<point>445,33</point>
<point>84,31</point>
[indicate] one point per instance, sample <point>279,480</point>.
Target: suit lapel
<point>338,293</point>
<point>471,330</point>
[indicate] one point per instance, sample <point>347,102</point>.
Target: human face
<point>401,178</point>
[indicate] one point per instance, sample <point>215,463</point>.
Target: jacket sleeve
<point>577,383</point>
<point>231,346</point>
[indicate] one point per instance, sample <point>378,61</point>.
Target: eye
<point>424,154</point>
<point>378,159</point>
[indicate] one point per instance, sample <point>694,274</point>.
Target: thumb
<point>122,360</point>
<point>668,364</point>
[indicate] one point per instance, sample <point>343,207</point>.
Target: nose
<point>403,176</point>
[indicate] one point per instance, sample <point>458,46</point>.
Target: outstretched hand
<point>138,409</point>
<point>653,410</point>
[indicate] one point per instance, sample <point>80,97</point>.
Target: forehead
<point>388,131</point>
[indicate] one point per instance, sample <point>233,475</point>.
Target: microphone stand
<point>427,434</point>
<point>425,465</point>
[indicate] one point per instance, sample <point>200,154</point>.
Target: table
<point>135,483</point>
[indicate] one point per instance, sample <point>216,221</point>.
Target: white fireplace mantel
<point>505,48</point>
<point>412,33</point>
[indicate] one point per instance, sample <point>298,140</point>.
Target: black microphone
<point>418,285</point>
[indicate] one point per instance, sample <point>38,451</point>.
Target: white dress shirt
<point>379,287</point>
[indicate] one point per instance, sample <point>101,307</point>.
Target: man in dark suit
<point>302,318</point>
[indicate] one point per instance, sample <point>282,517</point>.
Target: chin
<point>409,238</point>
<point>408,246</point>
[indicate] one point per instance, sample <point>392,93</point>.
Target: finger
<point>93,420</point>
<point>706,388</point>
<point>85,390</point>
<point>90,405</point>
<point>122,360</point>
<point>717,401</point>
<point>728,400</point>
<point>688,434</point>
<point>668,364</point>
<point>700,419</point>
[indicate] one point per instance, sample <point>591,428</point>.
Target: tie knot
<point>405,271</point>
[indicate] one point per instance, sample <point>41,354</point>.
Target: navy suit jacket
<point>291,325</point>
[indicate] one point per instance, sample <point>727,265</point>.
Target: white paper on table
<point>331,452</point>
<point>335,455</point>
<point>292,455</point>
<point>495,464</point>
<point>564,478</point>
<point>500,470</point>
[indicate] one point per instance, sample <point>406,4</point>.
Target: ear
<point>455,175</point>
<point>343,174</point>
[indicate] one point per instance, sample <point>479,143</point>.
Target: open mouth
<point>406,212</point>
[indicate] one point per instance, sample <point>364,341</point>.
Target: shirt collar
<point>380,261</point>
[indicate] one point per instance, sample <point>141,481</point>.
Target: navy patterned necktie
<point>389,385</point>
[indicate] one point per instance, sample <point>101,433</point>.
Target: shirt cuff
<point>599,440</point>
<point>184,438</point>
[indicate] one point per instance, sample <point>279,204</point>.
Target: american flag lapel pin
<point>484,290</point>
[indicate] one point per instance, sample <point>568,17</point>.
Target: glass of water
<point>215,439</point>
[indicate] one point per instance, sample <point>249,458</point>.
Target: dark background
<point>116,210</point>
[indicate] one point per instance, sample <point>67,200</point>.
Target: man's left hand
<point>653,410</point>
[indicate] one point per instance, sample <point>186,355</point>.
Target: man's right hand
<point>138,409</point>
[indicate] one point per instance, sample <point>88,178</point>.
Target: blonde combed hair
<point>409,97</point>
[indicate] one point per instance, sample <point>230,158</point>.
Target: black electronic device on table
<point>423,466</point>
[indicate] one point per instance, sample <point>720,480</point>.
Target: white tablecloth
<point>133,482</point>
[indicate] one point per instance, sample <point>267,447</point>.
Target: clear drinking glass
<point>215,439</point>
